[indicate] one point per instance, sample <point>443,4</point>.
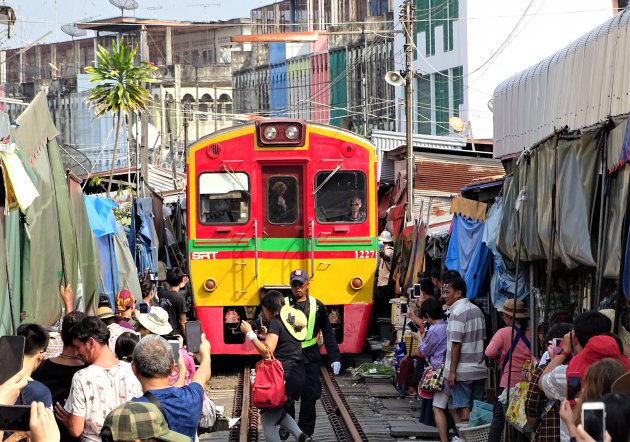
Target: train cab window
<point>282,199</point>
<point>341,197</point>
<point>223,198</point>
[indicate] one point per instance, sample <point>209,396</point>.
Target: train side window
<point>282,199</point>
<point>223,198</point>
<point>341,198</point>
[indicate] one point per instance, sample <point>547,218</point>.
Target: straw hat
<point>295,321</point>
<point>104,313</point>
<point>156,321</point>
<point>515,309</point>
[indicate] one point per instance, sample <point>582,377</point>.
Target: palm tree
<point>119,88</point>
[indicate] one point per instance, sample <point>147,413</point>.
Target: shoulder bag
<point>268,389</point>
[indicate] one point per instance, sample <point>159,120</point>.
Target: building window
<point>423,101</point>
<point>431,14</point>
<point>442,103</point>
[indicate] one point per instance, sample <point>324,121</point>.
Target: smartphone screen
<point>193,335</point>
<point>144,308</point>
<point>412,326</point>
<point>594,422</point>
<point>15,417</point>
<point>416,290</point>
<point>175,348</point>
<point>12,351</point>
<point>557,342</point>
<point>574,385</point>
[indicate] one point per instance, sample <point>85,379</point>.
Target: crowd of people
<point>582,362</point>
<point>114,376</point>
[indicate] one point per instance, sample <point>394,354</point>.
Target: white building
<point>465,48</point>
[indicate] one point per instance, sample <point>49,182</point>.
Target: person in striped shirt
<point>465,368</point>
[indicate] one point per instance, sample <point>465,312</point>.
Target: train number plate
<point>365,253</point>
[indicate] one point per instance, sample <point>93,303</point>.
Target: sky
<point>37,17</point>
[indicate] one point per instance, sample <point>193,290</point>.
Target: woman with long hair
<point>280,341</point>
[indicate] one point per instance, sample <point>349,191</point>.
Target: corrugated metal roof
<point>578,87</point>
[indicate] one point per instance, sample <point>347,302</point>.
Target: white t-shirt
<point>96,391</point>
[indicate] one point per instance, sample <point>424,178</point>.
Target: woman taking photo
<point>282,341</point>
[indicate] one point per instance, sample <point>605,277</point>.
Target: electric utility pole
<point>407,17</point>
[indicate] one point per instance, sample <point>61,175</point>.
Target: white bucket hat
<point>156,321</point>
<point>386,236</point>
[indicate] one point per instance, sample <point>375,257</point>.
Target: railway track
<point>347,411</point>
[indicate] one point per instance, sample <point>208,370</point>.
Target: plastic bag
<point>515,412</point>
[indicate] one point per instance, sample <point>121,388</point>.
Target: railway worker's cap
<point>139,420</point>
<point>299,275</point>
<point>156,321</point>
<point>295,321</point>
<point>386,236</point>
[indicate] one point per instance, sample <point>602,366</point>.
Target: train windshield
<point>341,198</point>
<point>224,198</point>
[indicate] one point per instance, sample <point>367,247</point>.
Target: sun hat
<point>140,420</point>
<point>515,311</point>
<point>386,236</point>
<point>124,300</point>
<point>621,384</point>
<point>295,321</point>
<point>299,275</point>
<point>104,313</point>
<point>156,321</point>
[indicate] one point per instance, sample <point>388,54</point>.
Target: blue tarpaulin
<point>467,253</point>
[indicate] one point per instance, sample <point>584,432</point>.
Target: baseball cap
<point>140,420</point>
<point>299,275</point>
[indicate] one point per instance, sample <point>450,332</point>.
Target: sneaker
<point>304,438</point>
<point>284,434</point>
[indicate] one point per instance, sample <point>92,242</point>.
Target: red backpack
<point>268,388</point>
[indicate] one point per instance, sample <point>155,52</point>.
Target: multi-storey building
<point>463,49</point>
<point>321,60</point>
<point>192,94</point>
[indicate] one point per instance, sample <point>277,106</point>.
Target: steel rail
<point>352,425</point>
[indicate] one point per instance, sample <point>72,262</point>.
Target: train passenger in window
<point>279,208</point>
<point>355,213</point>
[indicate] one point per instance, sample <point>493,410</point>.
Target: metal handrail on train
<point>312,248</point>
<point>255,249</point>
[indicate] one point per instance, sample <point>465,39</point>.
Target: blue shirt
<point>35,391</point>
<point>182,406</point>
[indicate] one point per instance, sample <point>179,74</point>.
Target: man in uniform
<point>318,321</point>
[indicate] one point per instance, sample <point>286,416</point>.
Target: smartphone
<point>15,417</point>
<point>557,342</point>
<point>193,335</point>
<point>574,385</point>
<point>175,348</point>
<point>144,308</point>
<point>403,309</point>
<point>12,351</point>
<point>412,326</point>
<point>594,419</point>
<point>258,324</point>
<point>416,291</point>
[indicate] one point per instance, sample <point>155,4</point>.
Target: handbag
<point>433,379</point>
<point>268,389</point>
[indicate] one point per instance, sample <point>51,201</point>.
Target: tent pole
<point>552,239</point>
<point>54,187</point>
<point>6,262</point>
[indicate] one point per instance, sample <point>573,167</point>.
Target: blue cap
<point>299,275</point>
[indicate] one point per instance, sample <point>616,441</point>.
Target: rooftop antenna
<point>123,5</point>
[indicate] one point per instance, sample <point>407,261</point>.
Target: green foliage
<point>119,78</point>
<point>119,89</point>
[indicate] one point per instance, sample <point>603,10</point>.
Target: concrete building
<point>192,95</point>
<point>464,49</point>
<point>323,61</point>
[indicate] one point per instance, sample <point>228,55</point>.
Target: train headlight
<point>209,285</point>
<point>270,133</point>
<point>356,283</point>
<point>292,132</point>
